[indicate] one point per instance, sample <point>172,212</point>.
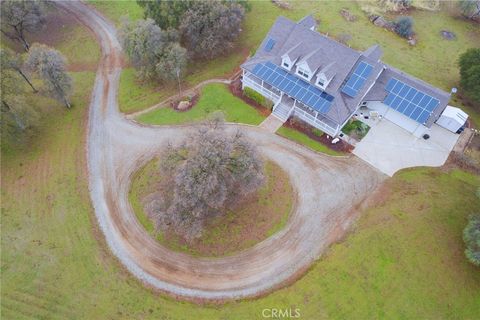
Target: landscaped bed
<point>258,217</point>
<point>356,129</point>
<point>313,138</point>
<point>213,97</point>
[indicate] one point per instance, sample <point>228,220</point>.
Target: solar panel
<point>405,99</point>
<point>357,79</point>
<point>269,45</point>
<point>293,86</point>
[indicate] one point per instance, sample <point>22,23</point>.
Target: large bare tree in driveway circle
<point>204,176</point>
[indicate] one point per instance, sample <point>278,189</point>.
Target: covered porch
<point>286,106</point>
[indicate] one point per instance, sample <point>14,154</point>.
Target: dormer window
<point>303,72</point>
<point>287,63</point>
<point>321,82</point>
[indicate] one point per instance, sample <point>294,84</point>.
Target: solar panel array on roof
<point>411,102</point>
<point>357,79</point>
<point>293,86</point>
<point>269,45</point>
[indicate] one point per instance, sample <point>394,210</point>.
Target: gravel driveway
<point>327,189</point>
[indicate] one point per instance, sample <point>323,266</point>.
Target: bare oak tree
<point>207,174</point>
<point>49,65</point>
<point>19,17</point>
<point>209,28</point>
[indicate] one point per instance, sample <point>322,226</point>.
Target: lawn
<point>403,260</point>
<point>134,95</point>
<point>115,10</point>
<point>260,216</point>
<point>305,140</point>
<point>213,97</point>
<point>68,36</point>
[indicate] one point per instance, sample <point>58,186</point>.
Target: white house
<point>324,82</point>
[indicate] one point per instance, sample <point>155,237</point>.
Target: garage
<point>405,122</point>
<point>396,117</point>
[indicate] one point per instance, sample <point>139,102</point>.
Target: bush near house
<point>471,236</point>
<point>469,64</point>
<point>356,129</point>
<point>404,27</point>
<point>257,97</point>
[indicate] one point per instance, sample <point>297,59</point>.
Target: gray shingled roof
<point>322,53</point>
<point>308,22</point>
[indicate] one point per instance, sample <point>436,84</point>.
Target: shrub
<point>356,129</point>
<point>471,236</point>
<point>317,132</point>
<point>404,27</point>
<point>257,97</point>
<point>469,64</point>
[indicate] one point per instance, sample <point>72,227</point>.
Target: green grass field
<point>403,260</point>
<point>305,140</point>
<point>213,97</point>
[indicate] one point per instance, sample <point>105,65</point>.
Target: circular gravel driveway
<point>327,189</point>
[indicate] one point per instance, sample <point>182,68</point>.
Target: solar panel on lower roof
<point>269,45</point>
<point>357,79</point>
<point>293,86</point>
<point>411,102</point>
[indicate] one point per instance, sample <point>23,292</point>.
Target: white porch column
<point>243,79</point>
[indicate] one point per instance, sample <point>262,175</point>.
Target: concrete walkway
<point>390,148</point>
<point>271,123</point>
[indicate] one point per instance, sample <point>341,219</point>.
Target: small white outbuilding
<point>452,118</point>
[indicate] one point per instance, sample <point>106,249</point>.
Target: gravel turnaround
<point>327,189</point>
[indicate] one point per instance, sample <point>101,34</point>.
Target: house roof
<point>338,62</point>
<point>378,92</point>
<point>308,22</point>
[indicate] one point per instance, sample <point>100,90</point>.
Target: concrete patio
<point>390,148</point>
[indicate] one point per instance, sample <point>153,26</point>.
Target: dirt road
<point>327,188</point>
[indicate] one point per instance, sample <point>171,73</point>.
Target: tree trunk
<point>26,79</point>
<point>67,103</point>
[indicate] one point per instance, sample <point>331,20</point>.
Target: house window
<point>320,83</point>
<point>303,73</point>
<point>286,65</point>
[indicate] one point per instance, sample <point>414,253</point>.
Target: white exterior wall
<point>398,118</point>
<point>449,123</point>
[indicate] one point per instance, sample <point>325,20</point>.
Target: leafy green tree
<point>404,26</point>
<point>470,8</point>
<point>166,13</point>
<point>469,64</point>
<point>16,114</point>
<point>210,28</point>
<point>9,60</point>
<point>471,236</point>
<point>49,65</point>
<point>155,53</point>
<point>172,62</point>
<point>19,17</point>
